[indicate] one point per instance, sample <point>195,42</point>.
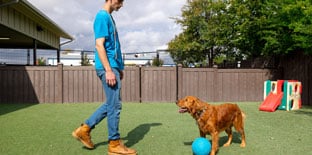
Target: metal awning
<point>10,38</point>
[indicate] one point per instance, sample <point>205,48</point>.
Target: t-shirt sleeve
<point>101,26</point>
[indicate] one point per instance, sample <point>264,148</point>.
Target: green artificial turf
<point>152,129</point>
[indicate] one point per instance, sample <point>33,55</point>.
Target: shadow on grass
<point>11,107</point>
<point>223,139</point>
<point>236,139</point>
<point>306,110</point>
<point>135,135</point>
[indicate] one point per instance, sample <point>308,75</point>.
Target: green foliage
<point>41,61</point>
<point>241,29</point>
<point>157,62</point>
<point>187,47</point>
<point>85,61</point>
<point>297,20</point>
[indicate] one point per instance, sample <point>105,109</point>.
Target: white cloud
<point>143,25</point>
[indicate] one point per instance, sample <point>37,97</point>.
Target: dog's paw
<point>226,144</point>
<point>243,145</point>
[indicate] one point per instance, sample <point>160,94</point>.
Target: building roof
<point>18,39</point>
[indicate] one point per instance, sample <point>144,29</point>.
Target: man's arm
<point>110,76</point>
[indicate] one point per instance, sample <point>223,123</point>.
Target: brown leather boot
<point>83,135</point>
<point>116,147</point>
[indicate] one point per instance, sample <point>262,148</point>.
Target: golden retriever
<point>213,119</point>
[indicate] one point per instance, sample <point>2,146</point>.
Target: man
<point>109,68</point>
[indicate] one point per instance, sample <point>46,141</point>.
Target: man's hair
<point>119,0</point>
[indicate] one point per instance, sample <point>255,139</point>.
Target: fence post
<point>178,81</point>
<point>140,84</point>
<point>215,84</point>
<point>59,84</point>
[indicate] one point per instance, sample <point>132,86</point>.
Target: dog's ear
<point>193,103</point>
<point>189,100</point>
<point>197,102</point>
<point>189,103</point>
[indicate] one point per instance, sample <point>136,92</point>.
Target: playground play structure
<point>281,95</point>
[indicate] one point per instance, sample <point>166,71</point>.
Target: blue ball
<point>201,146</point>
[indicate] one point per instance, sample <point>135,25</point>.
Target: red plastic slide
<point>271,102</point>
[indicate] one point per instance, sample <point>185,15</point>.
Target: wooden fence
<point>62,84</point>
<point>224,84</point>
<point>298,66</point>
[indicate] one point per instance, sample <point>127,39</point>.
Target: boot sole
<point>113,153</point>
<point>79,139</point>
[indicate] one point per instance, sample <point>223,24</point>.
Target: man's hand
<point>110,78</point>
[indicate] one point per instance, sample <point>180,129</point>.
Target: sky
<point>143,25</point>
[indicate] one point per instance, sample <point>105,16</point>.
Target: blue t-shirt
<point>104,27</point>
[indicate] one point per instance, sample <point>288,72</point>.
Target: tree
<point>41,61</point>
<point>295,18</point>
<point>273,27</point>
<point>188,47</point>
<point>157,62</point>
<point>85,61</point>
<point>208,31</point>
<point>236,29</point>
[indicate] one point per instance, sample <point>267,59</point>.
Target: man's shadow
<point>135,135</point>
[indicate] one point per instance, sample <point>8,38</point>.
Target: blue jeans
<point>110,109</point>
